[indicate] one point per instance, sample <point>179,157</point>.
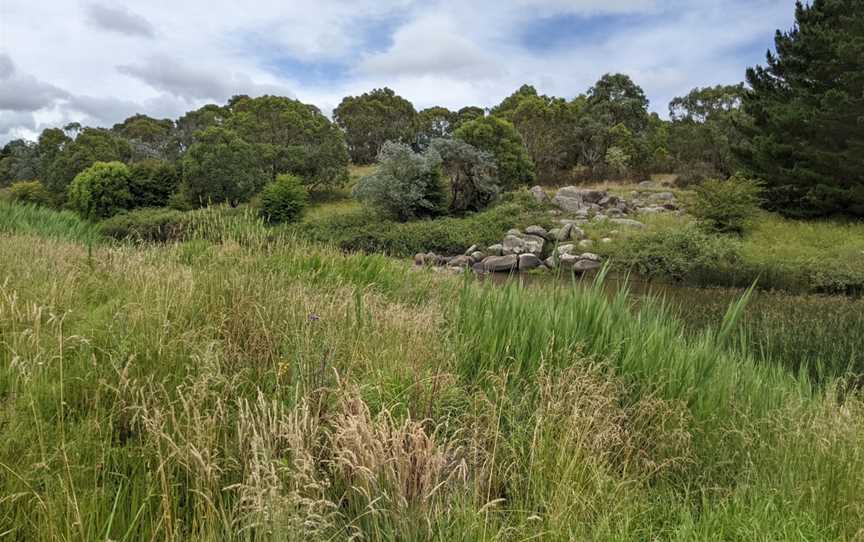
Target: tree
<point>372,119</point>
<point>30,192</point>
<point>548,127</point>
<point>616,99</point>
<point>432,123</point>
<point>151,183</point>
<point>101,191</point>
<point>406,184</point>
<point>192,123</point>
<point>292,137</point>
<point>472,174</point>
<point>149,138</point>
<point>509,104</point>
<point>500,138</point>
<point>706,130</point>
<point>19,161</point>
<point>90,146</point>
<point>807,105</point>
<point>467,114</point>
<point>283,200</point>
<point>221,167</point>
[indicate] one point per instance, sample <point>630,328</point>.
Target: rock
<point>529,261</point>
<point>478,256</point>
<point>538,231</point>
<point>565,249</point>
<point>663,196</point>
<point>433,259</point>
<point>478,268</point>
<point>600,218</point>
<point>514,231</point>
<point>627,222</point>
<point>518,244</point>
<point>576,233</point>
<point>589,256</point>
<point>563,233</point>
<point>648,184</point>
<point>586,265</point>
<point>472,248</point>
<point>609,201</point>
<point>550,262</point>
<point>569,199</point>
<point>539,194</point>
<point>567,261</point>
<point>498,264</point>
<point>460,261</point>
<point>606,240</point>
<point>593,196</point>
<point>495,250</point>
<point>586,243</point>
<point>420,259</point>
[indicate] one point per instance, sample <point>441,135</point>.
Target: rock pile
<point>563,246</point>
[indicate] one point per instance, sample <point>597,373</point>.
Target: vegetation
<point>146,224</point>
<point>472,174</point>
<point>405,184</point>
<point>500,138</point>
<point>372,119</point>
<point>726,206</point>
<point>270,389</point>
<point>29,192</point>
<point>101,191</point>
<point>806,104</point>
<point>283,200</point>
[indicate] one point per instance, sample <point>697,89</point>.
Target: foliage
<point>706,129</point>
<point>147,224</point>
<point>680,253</point>
<point>618,161</point>
<point>500,138</point>
<point>807,142</point>
<point>432,123</point>
<point>90,145</point>
<point>616,99</point>
<point>149,138</point>
<point>29,192</point>
<point>221,167</point>
<point>101,191</point>
<point>372,119</point>
<point>19,161</point>
<point>152,182</point>
<point>405,185</point>
<point>283,200</point>
<point>726,206</point>
<point>292,137</point>
<point>548,128</point>
<point>472,174</point>
<point>29,220</point>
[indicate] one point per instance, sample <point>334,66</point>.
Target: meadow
<point>245,384</point>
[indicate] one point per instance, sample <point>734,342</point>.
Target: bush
<point>676,254</point>
<point>101,191</point>
<point>29,192</point>
<point>283,200</point>
<point>406,184</point>
<point>152,182</point>
<point>726,206</point>
<point>501,138</point>
<point>156,225</point>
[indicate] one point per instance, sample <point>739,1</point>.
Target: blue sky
<point>99,61</point>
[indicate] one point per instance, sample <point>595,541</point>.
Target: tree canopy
<point>372,119</point>
<point>501,139</point>
<point>807,105</point>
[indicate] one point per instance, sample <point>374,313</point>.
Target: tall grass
<point>234,388</point>
<point>34,220</point>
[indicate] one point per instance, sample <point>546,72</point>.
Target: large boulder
<point>593,196</point>
<point>500,264</point>
<point>569,199</point>
<point>460,261</point>
<point>528,262</point>
<point>539,195</point>
<point>495,250</point>
<point>520,244</point>
<point>582,266</point>
<point>539,231</point>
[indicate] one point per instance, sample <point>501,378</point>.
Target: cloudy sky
<point>100,61</point>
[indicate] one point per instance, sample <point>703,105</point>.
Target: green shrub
<point>148,224</point>
<point>726,206</point>
<point>101,191</point>
<point>29,192</point>
<point>152,182</point>
<point>676,254</point>
<point>405,185</point>
<point>283,200</point>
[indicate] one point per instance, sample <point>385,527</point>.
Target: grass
<point>43,222</point>
<point>241,386</point>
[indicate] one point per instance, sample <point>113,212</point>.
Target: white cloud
<point>447,52</point>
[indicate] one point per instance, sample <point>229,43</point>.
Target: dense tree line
<point>797,127</point>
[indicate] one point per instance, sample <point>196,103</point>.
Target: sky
<point>98,62</point>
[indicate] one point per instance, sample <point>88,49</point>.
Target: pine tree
<point>807,141</point>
